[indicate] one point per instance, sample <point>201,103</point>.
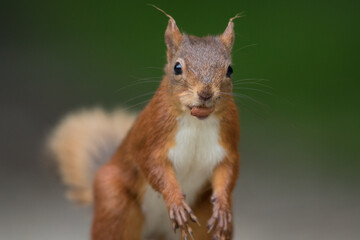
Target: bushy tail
<point>82,142</point>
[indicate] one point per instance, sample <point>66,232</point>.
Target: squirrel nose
<point>205,95</point>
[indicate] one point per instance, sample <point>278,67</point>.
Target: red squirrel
<point>178,159</point>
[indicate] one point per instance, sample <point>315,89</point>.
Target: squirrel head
<point>199,68</point>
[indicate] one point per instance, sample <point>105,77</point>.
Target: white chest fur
<point>196,153</point>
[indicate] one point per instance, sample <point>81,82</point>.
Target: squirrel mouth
<point>201,112</point>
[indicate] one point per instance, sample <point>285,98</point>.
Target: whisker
<point>227,97</point>
<point>138,78</point>
<point>257,90</point>
<point>139,96</point>
<point>135,84</point>
<point>137,104</point>
<point>142,102</point>
<point>226,93</point>
<point>244,96</point>
<point>243,106</point>
<point>140,81</point>
<point>157,68</point>
<point>177,90</point>
<point>242,48</point>
<point>254,83</point>
<point>251,79</point>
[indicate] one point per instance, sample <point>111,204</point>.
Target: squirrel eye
<point>229,72</point>
<point>177,68</point>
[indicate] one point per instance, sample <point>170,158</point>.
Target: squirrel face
<point>199,69</point>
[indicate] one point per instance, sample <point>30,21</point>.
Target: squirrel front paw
<point>179,218</point>
<point>221,215</point>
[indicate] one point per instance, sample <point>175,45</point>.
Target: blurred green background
<point>300,127</point>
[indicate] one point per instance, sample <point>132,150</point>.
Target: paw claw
<point>179,215</point>
<point>210,227</point>
<point>221,218</point>
<point>183,234</point>
<point>191,235</point>
<point>175,226</point>
<point>194,219</point>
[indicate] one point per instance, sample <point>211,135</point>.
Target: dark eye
<point>177,68</point>
<point>229,72</point>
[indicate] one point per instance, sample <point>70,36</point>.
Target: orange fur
<point>142,158</point>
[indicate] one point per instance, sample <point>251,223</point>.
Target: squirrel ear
<point>173,37</point>
<point>228,36</point>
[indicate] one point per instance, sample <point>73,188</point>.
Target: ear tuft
<point>228,35</point>
<point>173,36</point>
